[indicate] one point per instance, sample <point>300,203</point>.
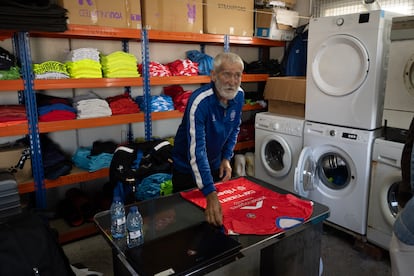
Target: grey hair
<point>226,57</point>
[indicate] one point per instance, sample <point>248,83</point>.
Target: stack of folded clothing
<point>122,104</point>
<point>157,103</point>
<point>38,15</point>
<point>51,108</point>
<point>94,158</point>
<point>56,162</point>
<point>157,69</point>
<point>8,66</point>
<point>50,70</point>
<point>178,95</point>
<point>205,62</point>
<point>119,65</point>
<point>90,105</point>
<point>12,114</point>
<point>183,67</point>
<point>84,63</point>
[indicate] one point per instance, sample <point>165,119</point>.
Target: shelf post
<point>130,134</point>
<point>146,82</point>
<point>226,43</point>
<point>31,109</point>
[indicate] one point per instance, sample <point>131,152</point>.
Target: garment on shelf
<point>153,186</point>
<point>178,95</point>
<point>84,63</point>
<point>50,70</point>
<point>119,65</point>
<point>7,59</point>
<point>52,108</point>
<point>12,114</point>
<point>157,103</point>
<point>183,67</point>
<point>122,104</point>
<point>83,159</point>
<point>12,74</point>
<point>204,61</point>
<point>83,53</point>
<point>91,105</point>
<point>32,16</point>
<point>156,69</point>
<point>56,112</point>
<point>85,68</point>
<point>55,161</point>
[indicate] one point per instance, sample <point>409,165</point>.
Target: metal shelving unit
<point>27,86</point>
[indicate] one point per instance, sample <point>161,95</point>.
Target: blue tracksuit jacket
<point>207,134</point>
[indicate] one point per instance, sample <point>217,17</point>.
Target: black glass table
<point>295,251</point>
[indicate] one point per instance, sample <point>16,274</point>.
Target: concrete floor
<point>342,254</point>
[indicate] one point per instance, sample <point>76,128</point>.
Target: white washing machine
<point>399,92</point>
<point>383,204</point>
<point>346,69</point>
<point>278,142</point>
<point>334,169</point>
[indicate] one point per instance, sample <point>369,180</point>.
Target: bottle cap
<point>133,209</point>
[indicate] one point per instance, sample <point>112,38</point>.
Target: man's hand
<point>213,211</point>
<point>225,170</point>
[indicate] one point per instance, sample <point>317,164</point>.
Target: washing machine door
<point>276,156</point>
<point>305,179</point>
<point>389,202</point>
<point>340,65</point>
<point>336,171</point>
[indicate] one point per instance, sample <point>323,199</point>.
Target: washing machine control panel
<point>280,124</point>
<point>288,128</point>
<point>339,133</point>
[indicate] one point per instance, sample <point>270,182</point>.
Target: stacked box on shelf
<point>276,24</point>
<point>231,17</point>
<point>286,95</point>
<point>173,15</point>
<point>9,195</point>
<point>116,13</point>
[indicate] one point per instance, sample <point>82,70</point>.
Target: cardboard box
<point>135,14</point>
<point>286,3</point>
<point>173,15</point>
<point>10,156</point>
<point>286,95</point>
<point>231,17</point>
<point>116,13</point>
<point>276,24</point>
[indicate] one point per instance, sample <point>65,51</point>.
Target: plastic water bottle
<point>134,226</point>
<point>118,223</point>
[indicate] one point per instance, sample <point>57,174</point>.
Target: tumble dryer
<point>334,169</point>
<point>279,140</point>
<point>383,205</point>
<point>399,92</point>
<point>346,69</point>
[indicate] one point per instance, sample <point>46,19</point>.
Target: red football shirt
<point>249,208</point>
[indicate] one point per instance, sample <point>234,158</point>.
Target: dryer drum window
<point>334,171</point>
<point>409,75</point>
<point>274,153</point>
